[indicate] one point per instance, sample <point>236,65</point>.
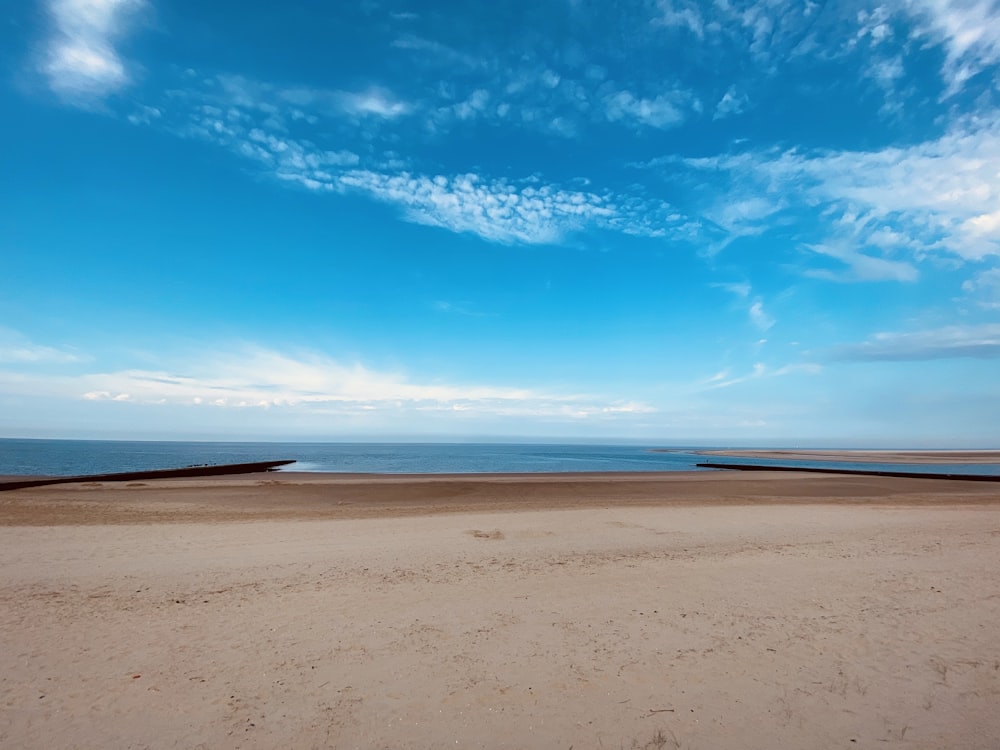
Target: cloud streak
<point>16,348</point>
<point>258,378</point>
<point>950,342</point>
<point>723,379</point>
<point>969,30</point>
<point>859,266</point>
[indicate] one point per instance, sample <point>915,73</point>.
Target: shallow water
<point>77,457</point>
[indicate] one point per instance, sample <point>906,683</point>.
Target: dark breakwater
<point>123,476</point>
<point>861,472</point>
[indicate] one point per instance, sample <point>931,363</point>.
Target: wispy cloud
<point>680,15</point>
<point>437,52</point>
<point>261,140</point>
<point>258,378</point>
<point>494,209</point>
<point>15,348</point>
<point>261,122</point>
<point>502,211</point>
<point>760,370</point>
<point>739,288</point>
<point>859,266</point>
<point>374,101</point>
<point>81,61</point>
<point>950,342</point>
<point>765,31</point>
<point>984,288</point>
<point>732,103</point>
<point>969,30</point>
<point>883,210</point>
<point>759,317</point>
<point>457,308</point>
<point>660,111</point>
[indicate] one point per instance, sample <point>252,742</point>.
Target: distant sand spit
<point>874,456</point>
<point>702,610</point>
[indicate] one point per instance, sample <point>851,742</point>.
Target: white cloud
<point>969,30</point>
<point>145,115</point>
<point>731,103</point>
<point>374,101</point>
<point>16,348</point>
<point>532,93</point>
<point>311,383</point>
<point>496,210</point>
<point>662,111</point>
<point>807,368</point>
<point>874,26</point>
<point>290,102</point>
<point>718,377</point>
<point>744,215</point>
<point>759,317</point>
<point>983,225</point>
<point>760,370</point>
<point>680,15</point>
<point>939,196</point>
<point>266,378</point>
<point>984,287</point>
<point>436,52</point>
<point>81,62</point>
<point>288,158</point>
<point>976,341</point>
<point>769,32</point>
<point>507,212</point>
<point>740,289</point>
<point>256,122</point>
<point>860,267</point>
<point>475,105</point>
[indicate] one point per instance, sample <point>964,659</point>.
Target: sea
<point>80,457</point>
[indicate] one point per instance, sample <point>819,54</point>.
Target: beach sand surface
<point>681,611</point>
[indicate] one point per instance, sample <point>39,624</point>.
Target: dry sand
<point>688,611</point>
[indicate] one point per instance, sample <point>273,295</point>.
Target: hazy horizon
<point>670,444</point>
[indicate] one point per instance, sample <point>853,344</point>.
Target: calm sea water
<point>75,457</point>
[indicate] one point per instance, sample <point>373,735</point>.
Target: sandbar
<point>869,456</point>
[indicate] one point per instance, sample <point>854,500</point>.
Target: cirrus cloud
<point>950,342</point>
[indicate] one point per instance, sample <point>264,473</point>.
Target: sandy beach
<point>708,610</point>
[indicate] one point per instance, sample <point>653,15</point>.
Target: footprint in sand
<point>495,534</point>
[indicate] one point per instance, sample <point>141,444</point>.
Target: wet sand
<point>679,611</point>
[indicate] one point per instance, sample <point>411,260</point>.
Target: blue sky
<point>717,222</point>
